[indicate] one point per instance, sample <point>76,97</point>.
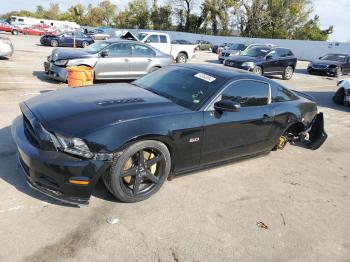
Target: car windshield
<point>235,47</point>
<point>96,47</point>
<point>183,86</point>
<point>141,36</point>
<point>256,51</point>
<point>334,57</point>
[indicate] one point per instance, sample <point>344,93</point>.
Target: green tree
<point>160,16</point>
<point>135,15</point>
<point>52,12</point>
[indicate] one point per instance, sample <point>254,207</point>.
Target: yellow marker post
<point>74,41</point>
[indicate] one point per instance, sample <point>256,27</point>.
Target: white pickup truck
<point>162,42</point>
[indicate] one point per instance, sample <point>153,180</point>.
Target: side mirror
<point>227,105</point>
<point>104,53</point>
<point>320,58</point>
<point>269,57</point>
<point>148,41</point>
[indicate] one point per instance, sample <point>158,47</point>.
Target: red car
<point>4,26</point>
<point>33,31</point>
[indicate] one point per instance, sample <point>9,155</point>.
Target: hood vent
<point>120,101</point>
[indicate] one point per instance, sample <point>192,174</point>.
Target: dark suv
<point>265,60</point>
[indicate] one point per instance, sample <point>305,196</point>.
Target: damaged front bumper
<point>316,133</point>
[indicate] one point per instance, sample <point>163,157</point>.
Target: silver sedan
<point>111,59</point>
<point>6,47</point>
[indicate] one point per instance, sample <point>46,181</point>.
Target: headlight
<point>78,147</point>
<point>310,64</point>
<point>61,62</point>
<point>248,64</point>
<point>74,146</point>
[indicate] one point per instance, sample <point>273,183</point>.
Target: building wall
<point>304,50</point>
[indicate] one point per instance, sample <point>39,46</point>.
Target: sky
<point>334,12</point>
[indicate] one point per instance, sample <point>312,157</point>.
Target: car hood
<point>60,54</point>
<point>79,111</point>
<point>326,62</point>
<point>239,58</point>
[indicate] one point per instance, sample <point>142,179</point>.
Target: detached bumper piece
<point>317,134</point>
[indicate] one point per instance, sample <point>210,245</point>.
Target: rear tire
<point>338,97</point>
<point>288,73</point>
<point>134,176</point>
<point>54,43</point>
<point>181,58</point>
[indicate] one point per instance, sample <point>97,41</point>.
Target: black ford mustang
<point>136,135</point>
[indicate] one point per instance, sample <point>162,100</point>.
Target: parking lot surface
<point>302,196</point>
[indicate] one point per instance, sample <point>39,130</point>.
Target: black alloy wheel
<point>139,172</point>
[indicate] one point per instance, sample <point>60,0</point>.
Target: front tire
<point>288,73</point>
<point>339,72</point>
<point>54,43</point>
<point>84,44</point>
<point>258,70</point>
<point>338,97</point>
<point>139,172</point>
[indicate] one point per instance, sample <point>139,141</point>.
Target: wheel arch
<point>295,128</point>
<point>156,137</point>
<point>182,52</point>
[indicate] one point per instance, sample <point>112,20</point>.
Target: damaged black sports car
<point>136,135</point>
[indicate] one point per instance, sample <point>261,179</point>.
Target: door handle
<point>267,118</point>
<point>126,60</point>
<point>149,60</point>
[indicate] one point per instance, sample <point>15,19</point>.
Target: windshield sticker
<point>205,77</point>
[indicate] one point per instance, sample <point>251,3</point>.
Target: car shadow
<point>324,99</point>
<point>12,173</point>
<point>216,61</point>
<point>4,58</point>
<point>42,76</point>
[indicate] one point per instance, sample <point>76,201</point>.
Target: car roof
<point>224,72</point>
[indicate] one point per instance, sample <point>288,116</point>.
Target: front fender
<point>83,61</point>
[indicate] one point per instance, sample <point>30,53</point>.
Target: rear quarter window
<point>282,94</point>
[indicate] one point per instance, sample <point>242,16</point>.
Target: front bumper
<point>55,72</point>
<point>50,171</point>
<point>317,134</point>
<point>237,65</point>
<point>322,71</point>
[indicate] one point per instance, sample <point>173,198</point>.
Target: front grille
<point>317,66</point>
<point>233,63</point>
<point>30,133</point>
<point>36,136</point>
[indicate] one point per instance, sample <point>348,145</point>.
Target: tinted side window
<point>163,39</point>
<point>284,52</point>
<point>274,54</point>
<point>281,94</point>
<point>141,50</point>
<point>248,93</point>
<point>121,49</point>
<point>153,39</point>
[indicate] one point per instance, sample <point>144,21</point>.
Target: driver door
<point>229,135</point>
<point>272,63</point>
<point>114,62</point>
